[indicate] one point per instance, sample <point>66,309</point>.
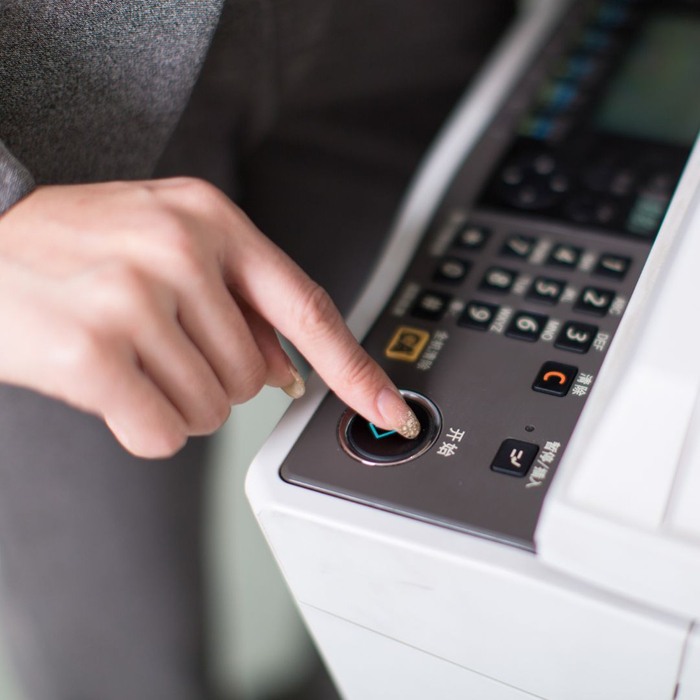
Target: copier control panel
<point>501,323</point>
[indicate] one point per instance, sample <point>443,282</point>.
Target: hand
<point>153,304</point>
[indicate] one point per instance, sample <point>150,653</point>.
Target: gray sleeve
<point>15,180</point>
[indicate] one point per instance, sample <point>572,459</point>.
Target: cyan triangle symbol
<point>379,435</point>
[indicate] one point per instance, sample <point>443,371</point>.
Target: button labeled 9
<point>527,326</point>
<point>478,315</point>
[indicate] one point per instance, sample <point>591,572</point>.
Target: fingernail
<point>397,413</point>
<point>297,388</point>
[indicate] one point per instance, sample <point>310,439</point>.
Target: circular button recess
<point>368,444</point>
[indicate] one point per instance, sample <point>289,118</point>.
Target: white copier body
<point>606,606</point>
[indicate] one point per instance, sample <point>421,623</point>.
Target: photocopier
<point>538,303</point>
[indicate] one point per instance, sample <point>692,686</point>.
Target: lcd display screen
<point>656,93</point>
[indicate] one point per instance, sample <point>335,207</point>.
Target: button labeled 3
<point>576,337</point>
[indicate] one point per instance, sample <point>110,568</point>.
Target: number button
<point>498,279</point>
<point>451,271</point>
<point>472,237</point>
<point>576,337</point>
<point>518,246</point>
<point>526,326</point>
<point>595,301</point>
<point>546,290</point>
<point>478,315</point>
<point>614,266</point>
<point>564,256</point>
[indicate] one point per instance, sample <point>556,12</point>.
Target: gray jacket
<point>91,90</point>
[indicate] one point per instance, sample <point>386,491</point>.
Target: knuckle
<point>182,246</point>
<point>174,234</point>
<point>124,294</point>
<point>360,371</point>
<point>129,284</point>
<point>210,419</point>
<point>164,444</point>
<point>141,194</point>
<point>219,411</point>
<point>85,350</point>
<point>314,311</point>
<point>209,415</point>
<point>250,384</point>
<point>197,193</point>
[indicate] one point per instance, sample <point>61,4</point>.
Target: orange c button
<point>560,375</point>
<point>555,378</point>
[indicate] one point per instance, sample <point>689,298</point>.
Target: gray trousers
<point>312,114</point>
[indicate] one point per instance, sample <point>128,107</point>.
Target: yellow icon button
<point>407,344</point>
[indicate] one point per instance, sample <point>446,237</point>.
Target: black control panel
<point>498,330</point>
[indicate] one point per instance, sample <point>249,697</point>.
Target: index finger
<point>280,291</point>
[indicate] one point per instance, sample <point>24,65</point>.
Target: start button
<point>368,444</point>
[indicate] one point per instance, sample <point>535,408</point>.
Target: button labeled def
<point>406,344</point>
<point>576,337</point>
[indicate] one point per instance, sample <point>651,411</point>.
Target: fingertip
<point>297,387</point>
<point>397,414</point>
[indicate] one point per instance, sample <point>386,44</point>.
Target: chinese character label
<point>541,469</point>
<point>436,344</point>
<point>455,435</point>
<point>447,449</point>
<point>583,383</point>
<point>406,298</point>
